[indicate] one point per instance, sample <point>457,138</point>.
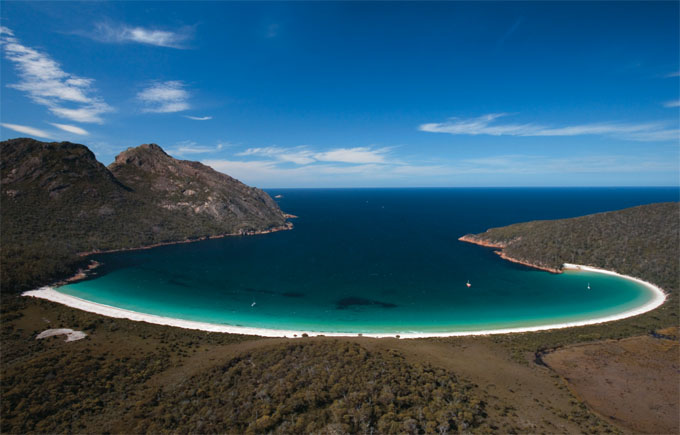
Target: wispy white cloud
<point>71,129</point>
<point>65,95</point>
<point>674,103</point>
<point>303,155</point>
<point>165,97</point>
<point>304,166</point>
<point>484,125</point>
<point>297,155</point>
<point>273,173</point>
<point>190,147</point>
<point>673,74</point>
<point>353,155</point>
<point>24,129</point>
<point>120,33</point>
<point>199,118</point>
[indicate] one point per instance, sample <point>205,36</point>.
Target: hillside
<point>640,241</point>
<point>58,200</point>
<point>208,199</point>
<point>129,377</point>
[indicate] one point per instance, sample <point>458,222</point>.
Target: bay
<point>375,261</point>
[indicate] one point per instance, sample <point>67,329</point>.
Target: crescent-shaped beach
<point>52,294</point>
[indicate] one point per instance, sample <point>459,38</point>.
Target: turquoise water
<point>374,261</point>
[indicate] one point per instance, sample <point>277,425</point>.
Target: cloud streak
<point>65,95</point>
<point>304,166</point>
<point>486,125</point>
<point>119,33</point>
<point>272,173</point>
<point>191,147</point>
<point>165,97</point>
<point>24,129</point>
<point>674,103</point>
<point>301,166</point>
<point>71,129</point>
<point>305,156</point>
<point>199,118</point>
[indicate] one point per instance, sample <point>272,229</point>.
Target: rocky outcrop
<point>196,190</point>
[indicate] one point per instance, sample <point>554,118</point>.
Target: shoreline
<point>51,294</point>
<point>500,247</point>
<point>285,227</point>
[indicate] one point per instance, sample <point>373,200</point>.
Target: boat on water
<point>468,284</point>
<point>588,286</point>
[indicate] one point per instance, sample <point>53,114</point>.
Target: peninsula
<point>639,241</point>
<point>58,202</point>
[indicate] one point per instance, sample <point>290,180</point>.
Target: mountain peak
<point>146,153</point>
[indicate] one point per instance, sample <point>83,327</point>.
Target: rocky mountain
<point>57,200</point>
<point>195,190</point>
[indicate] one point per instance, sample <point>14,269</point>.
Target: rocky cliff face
<point>195,190</point>
<point>57,200</point>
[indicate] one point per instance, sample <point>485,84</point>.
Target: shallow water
<point>374,261</point>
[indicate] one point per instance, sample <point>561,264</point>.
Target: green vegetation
<point>331,387</point>
<point>49,386</point>
<point>58,200</point>
<point>640,241</point>
<point>132,377</point>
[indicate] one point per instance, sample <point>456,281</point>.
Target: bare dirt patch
<point>633,382</point>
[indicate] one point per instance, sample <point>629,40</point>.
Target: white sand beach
<point>51,294</point>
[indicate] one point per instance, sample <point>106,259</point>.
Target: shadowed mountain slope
<point>58,200</point>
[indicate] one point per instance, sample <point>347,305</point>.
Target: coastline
<point>285,227</point>
<point>51,294</point>
<point>501,246</point>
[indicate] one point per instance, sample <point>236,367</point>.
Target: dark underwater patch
<point>261,291</point>
<point>344,303</point>
<point>293,295</point>
<point>178,283</point>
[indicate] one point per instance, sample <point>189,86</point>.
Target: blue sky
<point>357,94</point>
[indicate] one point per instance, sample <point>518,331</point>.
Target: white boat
<point>468,284</point>
<point>253,304</point>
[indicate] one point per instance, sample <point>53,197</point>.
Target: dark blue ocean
<point>375,261</point>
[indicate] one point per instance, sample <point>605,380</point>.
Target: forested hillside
<point>640,241</point>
